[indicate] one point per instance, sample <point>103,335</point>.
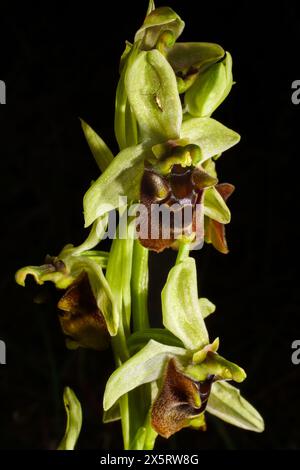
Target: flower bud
<point>157,22</point>
<point>210,88</point>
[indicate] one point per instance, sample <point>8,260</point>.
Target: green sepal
<point>121,178</point>
<point>152,93</point>
<point>226,403</point>
<point>145,366</point>
<point>180,305</point>
<point>211,136</point>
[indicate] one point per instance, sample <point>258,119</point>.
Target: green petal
<point>196,55</point>
<point>152,92</point>
<point>102,154</point>
<point>44,273</point>
<point>210,89</point>
<point>206,307</point>
<point>181,311</point>
<point>145,366</point>
<point>121,178</point>
<point>219,366</point>
<point>211,136</point>
<point>215,207</point>
<point>74,420</point>
<point>226,403</point>
<point>157,21</point>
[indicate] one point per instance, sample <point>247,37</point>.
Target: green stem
<point>139,292</point>
<point>139,287</point>
<point>119,345</point>
<point>183,252</point>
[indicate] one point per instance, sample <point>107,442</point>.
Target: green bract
<point>102,154</point>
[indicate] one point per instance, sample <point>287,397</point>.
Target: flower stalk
<point>166,378</point>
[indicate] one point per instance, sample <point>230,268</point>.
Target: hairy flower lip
<point>180,399</point>
<point>81,320</point>
<point>174,193</point>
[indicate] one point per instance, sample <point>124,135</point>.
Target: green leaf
<point>102,154</point>
<point>144,367</point>
<point>74,420</point>
<point>196,55</point>
<point>226,403</point>
<point>211,136</point>
<point>139,339</point>
<point>121,178</point>
<point>206,307</point>
<point>209,89</point>
<point>156,22</point>
<point>152,92</point>
<point>180,304</point>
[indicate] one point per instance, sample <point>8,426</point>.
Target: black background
<point>60,62</point>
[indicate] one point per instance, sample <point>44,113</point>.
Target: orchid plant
<point>165,378</point>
